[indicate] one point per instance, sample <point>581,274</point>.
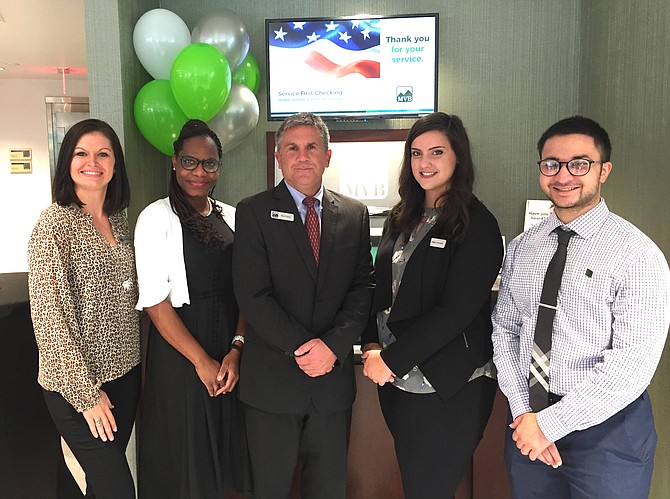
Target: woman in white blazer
<point>192,440</point>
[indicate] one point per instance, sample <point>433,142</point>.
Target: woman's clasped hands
<point>219,378</point>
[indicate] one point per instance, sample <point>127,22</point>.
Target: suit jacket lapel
<point>296,228</point>
<point>383,270</point>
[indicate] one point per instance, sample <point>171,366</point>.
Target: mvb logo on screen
<point>404,94</point>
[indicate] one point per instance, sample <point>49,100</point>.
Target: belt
<point>553,398</point>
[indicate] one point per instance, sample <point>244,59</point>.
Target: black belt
<point>553,398</point>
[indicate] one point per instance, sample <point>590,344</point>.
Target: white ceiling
<point>38,36</point>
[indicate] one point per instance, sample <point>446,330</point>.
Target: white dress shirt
<point>610,326</point>
<point>298,197</point>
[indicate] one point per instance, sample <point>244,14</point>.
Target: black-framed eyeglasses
<point>576,167</point>
<point>209,165</point>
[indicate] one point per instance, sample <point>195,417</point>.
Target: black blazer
<point>288,301</point>
<point>441,317</point>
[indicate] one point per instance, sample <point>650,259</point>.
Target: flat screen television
<point>352,68</point>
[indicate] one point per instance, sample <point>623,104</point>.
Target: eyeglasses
<point>189,163</point>
<point>576,167</point>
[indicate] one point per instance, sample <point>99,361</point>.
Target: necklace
<point>209,211</point>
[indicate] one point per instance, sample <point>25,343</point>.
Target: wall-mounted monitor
<point>352,68</point>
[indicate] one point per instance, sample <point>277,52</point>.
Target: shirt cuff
<point>84,401</point>
<point>519,405</point>
<point>549,422</point>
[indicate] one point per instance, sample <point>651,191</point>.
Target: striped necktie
<point>538,380</point>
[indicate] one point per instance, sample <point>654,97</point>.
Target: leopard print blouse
<point>82,296</point>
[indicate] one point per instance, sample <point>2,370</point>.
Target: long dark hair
<point>117,196</point>
<point>198,225</point>
<point>453,218</point>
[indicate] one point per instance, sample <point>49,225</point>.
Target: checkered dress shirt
<point>610,327</point>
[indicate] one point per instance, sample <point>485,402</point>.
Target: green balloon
<point>158,116</point>
<point>200,80</point>
<point>248,74</point>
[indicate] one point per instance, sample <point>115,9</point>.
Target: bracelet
<point>238,337</point>
<point>236,347</point>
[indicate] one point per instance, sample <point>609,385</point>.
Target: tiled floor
<point>73,466</point>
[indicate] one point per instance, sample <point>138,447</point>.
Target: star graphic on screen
<point>280,34</point>
<point>366,33</point>
<point>313,37</point>
<point>355,23</point>
<point>331,26</point>
<point>299,25</point>
<point>345,37</point>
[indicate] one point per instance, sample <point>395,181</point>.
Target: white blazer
<point>159,254</point>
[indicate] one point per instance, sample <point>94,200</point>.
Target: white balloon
<point>158,37</point>
<point>237,118</point>
<point>225,30</point>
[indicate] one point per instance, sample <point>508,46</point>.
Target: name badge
<point>280,215</point>
<point>436,242</point>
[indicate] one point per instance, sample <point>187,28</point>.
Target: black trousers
<point>434,440</point>
<point>105,464</point>
<point>277,442</point>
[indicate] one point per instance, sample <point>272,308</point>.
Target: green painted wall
<point>624,84</point>
<point>509,69</point>
<point>492,56</point>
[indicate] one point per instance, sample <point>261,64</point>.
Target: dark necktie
<point>538,381</point>
<point>312,226</point>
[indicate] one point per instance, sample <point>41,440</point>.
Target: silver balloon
<point>237,118</point>
<point>225,30</point>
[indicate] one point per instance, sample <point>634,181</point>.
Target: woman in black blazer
<point>428,344</point>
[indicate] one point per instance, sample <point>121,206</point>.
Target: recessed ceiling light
<point>2,68</point>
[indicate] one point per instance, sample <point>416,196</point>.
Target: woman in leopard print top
<point>83,289</point>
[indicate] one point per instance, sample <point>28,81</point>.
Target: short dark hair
<point>583,126</point>
<point>303,119</point>
<point>454,217</point>
<point>118,190</point>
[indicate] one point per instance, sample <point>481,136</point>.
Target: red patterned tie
<point>312,226</point>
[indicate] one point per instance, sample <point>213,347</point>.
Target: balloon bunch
<point>208,75</point>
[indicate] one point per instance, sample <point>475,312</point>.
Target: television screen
<point>352,68</point>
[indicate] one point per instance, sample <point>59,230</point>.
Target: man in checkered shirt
<point>596,439</point>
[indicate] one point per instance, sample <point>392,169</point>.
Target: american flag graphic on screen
<point>333,48</point>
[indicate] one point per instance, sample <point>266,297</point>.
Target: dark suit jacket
<point>441,316</point>
<point>288,301</point>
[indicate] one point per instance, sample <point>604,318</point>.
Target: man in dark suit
<point>304,280</point>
